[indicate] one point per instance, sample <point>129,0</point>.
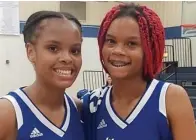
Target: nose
<point>118,49</point>
<point>65,57</point>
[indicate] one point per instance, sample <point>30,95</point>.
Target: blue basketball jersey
<point>147,121</point>
<point>33,125</point>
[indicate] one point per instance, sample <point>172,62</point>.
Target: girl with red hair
<point>137,106</point>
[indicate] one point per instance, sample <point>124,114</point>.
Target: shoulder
<point>7,119</point>
<point>177,97</point>
<point>177,94</point>
<point>180,113</point>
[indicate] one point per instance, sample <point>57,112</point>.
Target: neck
<point>128,89</point>
<point>46,95</point>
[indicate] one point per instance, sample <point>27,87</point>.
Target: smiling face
<point>122,51</point>
<point>56,53</point>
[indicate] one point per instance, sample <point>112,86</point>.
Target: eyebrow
<point>53,41</point>
<point>109,35</point>
<point>58,43</point>
<point>130,37</point>
<point>76,44</point>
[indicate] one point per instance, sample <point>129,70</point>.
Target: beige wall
<point>188,12</point>
<point>20,72</point>
<point>26,8</point>
<point>169,11</point>
<point>95,11</point>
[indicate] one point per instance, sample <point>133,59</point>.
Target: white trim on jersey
<point>143,101</point>
<point>66,124</point>
<point>40,116</point>
<point>136,111</point>
<point>17,109</point>
<point>73,101</point>
<point>115,118</point>
<point>162,106</point>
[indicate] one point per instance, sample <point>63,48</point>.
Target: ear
<point>31,53</point>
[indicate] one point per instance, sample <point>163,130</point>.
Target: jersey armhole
<point>18,112</point>
<point>162,99</point>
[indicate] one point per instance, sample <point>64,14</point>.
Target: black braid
<point>73,19</point>
<point>35,19</point>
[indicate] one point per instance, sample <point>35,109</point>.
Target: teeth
<point>119,63</point>
<point>63,72</point>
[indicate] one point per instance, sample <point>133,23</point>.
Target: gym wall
<point>19,71</point>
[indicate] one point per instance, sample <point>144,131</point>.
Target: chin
<point>118,75</point>
<point>64,85</point>
<point>122,74</point>
<point>63,82</point>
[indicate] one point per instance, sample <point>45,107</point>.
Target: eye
<point>53,48</point>
<point>131,43</point>
<point>76,50</point>
<point>110,41</point>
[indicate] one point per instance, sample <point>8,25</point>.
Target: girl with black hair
<point>43,110</point>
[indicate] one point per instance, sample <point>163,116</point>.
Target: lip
<point>64,73</point>
<point>120,61</point>
<point>63,68</point>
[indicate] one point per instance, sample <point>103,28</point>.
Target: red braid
<point>156,43</point>
<point>110,16</point>
<point>152,36</point>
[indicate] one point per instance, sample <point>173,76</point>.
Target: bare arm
<point>180,114</point>
<point>7,121</point>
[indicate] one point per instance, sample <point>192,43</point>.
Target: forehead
<point>124,26</point>
<point>58,29</point>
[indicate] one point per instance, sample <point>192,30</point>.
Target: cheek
<point>137,57</point>
<point>105,53</point>
<point>78,62</point>
<point>45,59</point>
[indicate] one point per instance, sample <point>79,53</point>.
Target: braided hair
<point>73,19</point>
<point>31,27</point>
<point>151,32</point>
